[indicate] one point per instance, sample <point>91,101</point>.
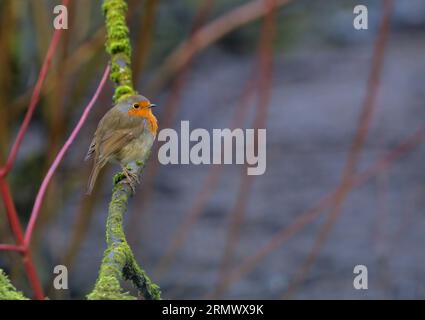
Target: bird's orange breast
<point>148,115</point>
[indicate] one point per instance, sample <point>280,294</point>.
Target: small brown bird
<point>124,135</point>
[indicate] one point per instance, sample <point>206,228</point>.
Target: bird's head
<point>139,106</point>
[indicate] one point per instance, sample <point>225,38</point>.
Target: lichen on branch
<point>7,290</point>
<point>118,261</point>
<point>119,47</point>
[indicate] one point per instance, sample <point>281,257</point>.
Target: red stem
<point>23,247</point>
<point>40,195</point>
<point>34,100</point>
<point>19,237</point>
<point>12,215</point>
<point>11,247</point>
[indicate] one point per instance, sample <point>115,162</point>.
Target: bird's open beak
<point>152,105</point>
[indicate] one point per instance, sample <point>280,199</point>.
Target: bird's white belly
<point>138,149</point>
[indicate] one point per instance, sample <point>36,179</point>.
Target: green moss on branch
<point>7,290</point>
<point>119,47</point>
<point>118,262</point>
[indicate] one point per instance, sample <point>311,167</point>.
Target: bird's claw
<point>132,179</point>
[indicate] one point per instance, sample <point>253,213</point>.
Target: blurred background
<point>210,231</point>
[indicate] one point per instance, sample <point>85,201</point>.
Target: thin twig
<point>40,195</point>
<point>12,247</point>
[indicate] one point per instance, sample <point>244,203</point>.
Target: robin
<point>124,135</point>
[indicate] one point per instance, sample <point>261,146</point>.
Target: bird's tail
<point>93,176</point>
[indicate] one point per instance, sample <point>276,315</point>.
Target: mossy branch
<point>7,290</point>
<point>119,47</point>
<point>118,261</point>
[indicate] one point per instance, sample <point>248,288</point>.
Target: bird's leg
<point>132,178</point>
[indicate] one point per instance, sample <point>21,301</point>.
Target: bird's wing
<point>113,143</point>
<point>115,130</point>
<point>91,151</point>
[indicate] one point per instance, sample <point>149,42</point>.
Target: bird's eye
<point>136,106</point>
